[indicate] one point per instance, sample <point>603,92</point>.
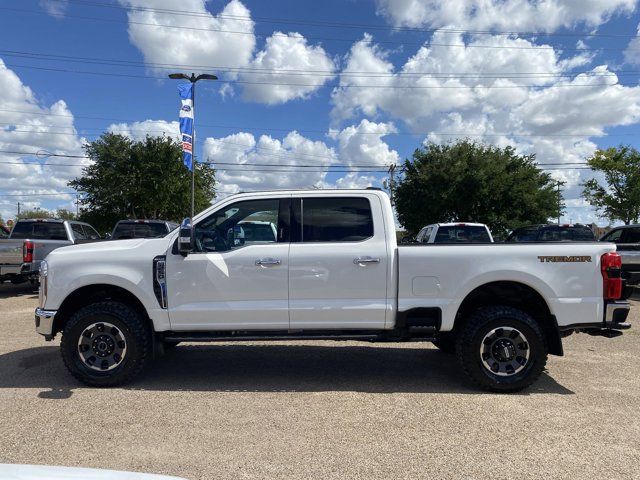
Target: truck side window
<point>78,233</point>
<point>334,219</point>
<point>238,225</point>
<point>613,236</point>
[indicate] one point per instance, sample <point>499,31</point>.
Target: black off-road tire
<point>446,342</point>
<point>470,340</point>
<point>134,330</point>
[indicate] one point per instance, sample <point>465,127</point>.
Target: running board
<point>414,334</point>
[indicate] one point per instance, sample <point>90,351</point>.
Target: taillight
<point>27,252</point>
<point>611,265</point>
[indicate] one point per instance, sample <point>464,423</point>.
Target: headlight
<point>44,268</point>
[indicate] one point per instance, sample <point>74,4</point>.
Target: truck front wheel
<point>502,349</point>
<point>105,344</point>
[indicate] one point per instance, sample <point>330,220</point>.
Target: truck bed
<point>567,275</point>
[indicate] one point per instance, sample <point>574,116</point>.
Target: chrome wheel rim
<point>504,351</point>
<point>102,346</point>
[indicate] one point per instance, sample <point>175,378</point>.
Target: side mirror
<point>186,238</point>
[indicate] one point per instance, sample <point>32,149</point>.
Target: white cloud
<point>27,126</point>
<point>283,53</point>
<point>202,39</point>
<point>527,15</point>
<point>299,162</point>
<point>363,144</point>
<point>153,128</point>
<point>55,8</point>
<point>247,154</point>
<point>441,79</point>
<point>632,52</point>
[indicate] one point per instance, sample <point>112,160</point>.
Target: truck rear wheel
<point>105,344</point>
<point>502,349</point>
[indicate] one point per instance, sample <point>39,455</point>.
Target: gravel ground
<point>321,410</point>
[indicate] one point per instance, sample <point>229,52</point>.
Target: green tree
<point>620,199</point>
<point>65,214</point>
<point>35,213</point>
<point>139,179</point>
<point>470,181</point>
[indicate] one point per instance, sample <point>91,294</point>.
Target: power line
<point>332,24</point>
<point>35,194</point>
<point>265,128</point>
<point>324,85</point>
<point>303,72</point>
<point>308,37</point>
<point>288,167</point>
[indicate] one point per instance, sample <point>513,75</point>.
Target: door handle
<point>265,262</point>
<point>365,260</point>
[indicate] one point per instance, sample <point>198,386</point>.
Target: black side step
<point>414,334</point>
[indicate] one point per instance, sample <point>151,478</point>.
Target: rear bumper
<point>614,322</point>
<point>31,270</point>
<point>44,322</point>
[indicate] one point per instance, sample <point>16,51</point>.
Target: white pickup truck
<point>329,269</point>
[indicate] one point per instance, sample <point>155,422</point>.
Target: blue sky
<point>333,85</point>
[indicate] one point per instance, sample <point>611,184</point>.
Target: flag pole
<point>193,79</point>
<point>193,161</point>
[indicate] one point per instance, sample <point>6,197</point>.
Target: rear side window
<point>631,235</point>
<point>90,232</point>
<point>613,236</point>
<point>78,233</point>
<point>334,219</point>
<point>39,230</point>
<point>462,234</point>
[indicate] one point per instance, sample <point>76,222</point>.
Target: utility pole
<point>558,184</point>
<point>391,171</point>
<point>18,209</point>
<point>193,79</point>
<point>77,205</point>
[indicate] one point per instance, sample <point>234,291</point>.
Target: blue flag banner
<point>186,124</point>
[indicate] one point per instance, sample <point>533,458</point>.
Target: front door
<point>237,277</point>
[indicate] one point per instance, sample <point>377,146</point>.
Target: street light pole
<point>193,79</point>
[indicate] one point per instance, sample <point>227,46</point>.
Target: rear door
<point>337,263</point>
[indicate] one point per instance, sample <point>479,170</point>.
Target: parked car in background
<point>552,233</point>
<point>460,232</point>
<point>31,240</point>
<point>627,240</point>
<point>142,229</point>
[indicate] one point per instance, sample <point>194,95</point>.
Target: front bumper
<point>44,322</point>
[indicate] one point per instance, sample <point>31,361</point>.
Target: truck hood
<point>112,247</point>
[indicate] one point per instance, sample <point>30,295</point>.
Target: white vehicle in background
<point>324,265</point>
<point>45,472</point>
<point>458,232</point>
